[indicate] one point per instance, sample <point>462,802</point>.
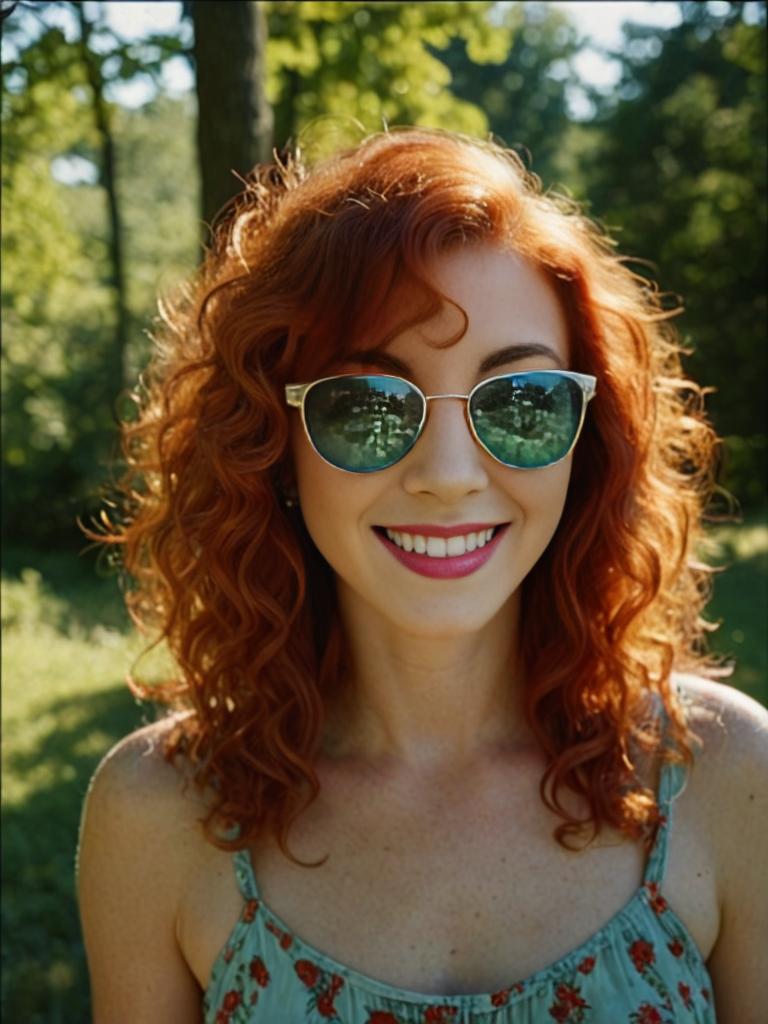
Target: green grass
<point>67,649</point>
<point>740,604</point>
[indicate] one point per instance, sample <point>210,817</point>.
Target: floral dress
<point>641,967</point>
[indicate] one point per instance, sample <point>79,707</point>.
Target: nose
<point>446,461</point>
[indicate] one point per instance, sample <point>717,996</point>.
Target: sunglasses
<point>366,422</point>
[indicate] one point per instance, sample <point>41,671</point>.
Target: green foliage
<point>524,95</point>
<point>58,391</point>
<point>375,63</point>
<point>680,165</point>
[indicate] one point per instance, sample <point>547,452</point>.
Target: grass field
<point>67,649</point>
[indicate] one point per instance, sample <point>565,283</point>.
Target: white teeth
<point>440,547</point>
<point>455,546</point>
<point>436,547</point>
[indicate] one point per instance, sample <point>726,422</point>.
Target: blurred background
<point>121,125</point>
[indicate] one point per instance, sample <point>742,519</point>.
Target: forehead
<point>506,300</point>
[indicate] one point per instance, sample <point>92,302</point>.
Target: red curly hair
<point>302,264</point>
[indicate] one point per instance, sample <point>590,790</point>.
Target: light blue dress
<point>641,967</point>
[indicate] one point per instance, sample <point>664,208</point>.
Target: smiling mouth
<point>440,547</point>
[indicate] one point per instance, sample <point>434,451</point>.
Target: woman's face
<point>446,479</point>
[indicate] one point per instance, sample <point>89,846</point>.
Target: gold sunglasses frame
<point>295,396</point>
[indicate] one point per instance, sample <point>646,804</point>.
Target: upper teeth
<point>440,547</point>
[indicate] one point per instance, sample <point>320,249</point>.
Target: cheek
<point>541,495</point>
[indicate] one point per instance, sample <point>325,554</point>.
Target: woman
<point>414,491</point>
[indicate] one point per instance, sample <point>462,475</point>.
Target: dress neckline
<point>641,901</point>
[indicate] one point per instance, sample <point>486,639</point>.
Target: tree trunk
<point>234,129</point>
<point>116,376</point>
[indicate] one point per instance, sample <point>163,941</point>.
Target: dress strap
<point>246,879</point>
<point>672,781</point>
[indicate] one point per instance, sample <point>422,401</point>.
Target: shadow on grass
<point>44,970</point>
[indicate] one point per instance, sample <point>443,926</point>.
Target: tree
<point>102,115</point>
<point>681,167</point>
<point>59,381</point>
<point>234,128</point>
<point>524,97</point>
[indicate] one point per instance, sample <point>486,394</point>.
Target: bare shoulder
<point>135,778</point>
<point>141,839</point>
<point>728,792</point>
<point>732,727</point>
<point>142,813</point>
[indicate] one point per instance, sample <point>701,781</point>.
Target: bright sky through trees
<point>599,20</point>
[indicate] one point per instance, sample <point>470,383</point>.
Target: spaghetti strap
<point>672,781</point>
<point>246,879</point>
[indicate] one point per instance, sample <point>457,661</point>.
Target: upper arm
<point>739,784</point>
<point>131,870</point>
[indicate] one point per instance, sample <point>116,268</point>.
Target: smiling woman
<point>414,491</point>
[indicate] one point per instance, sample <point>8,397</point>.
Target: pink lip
<point>430,530</point>
<point>444,568</point>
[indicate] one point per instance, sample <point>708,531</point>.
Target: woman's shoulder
<point>728,784</point>
<point>140,801</point>
<point>726,802</point>
<point>732,727</point>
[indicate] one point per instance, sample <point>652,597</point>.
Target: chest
<point>456,892</point>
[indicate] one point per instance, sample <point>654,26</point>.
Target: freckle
<point>477,913</point>
<point>453,951</point>
<point>751,796</point>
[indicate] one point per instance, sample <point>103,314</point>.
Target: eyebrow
<point>508,354</point>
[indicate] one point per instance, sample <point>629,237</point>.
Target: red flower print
<point>222,1017</point>
<point>657,901</point>
<point>259,972</point>
<point>382,1017</point>
<point>518,986</point>
<point>284,937</point>
<point>706,993</point>
<point>646,1014</point>
<point>685,994</point>
<point>439,1014</point>
<point>642,954</point>
<point>675,947</point>
<point>568,1000</point>
<point>325,1005</point>
<point>231,1001</point>
<point>500,998</point>
<point>228,954</point>
<point>587,965</point>
<point>307,972</point>
<point>336,982</point>
<point>249,910</point>
<point>569,996</point>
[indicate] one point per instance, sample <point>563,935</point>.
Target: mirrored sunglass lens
<point>528,420</point>
<point>363,423</point>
